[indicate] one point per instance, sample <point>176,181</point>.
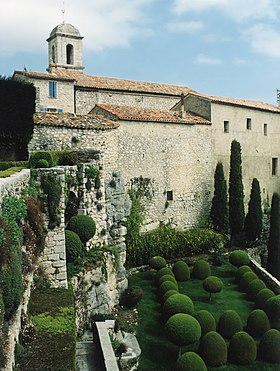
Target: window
<point>265,129</point>
<point>169,195</point>
<point>226,126</point>
<point>274,166</point>
<point>53,54</point>
<point>249,124</point>
<point>52,89</point>
<point>69,54</point>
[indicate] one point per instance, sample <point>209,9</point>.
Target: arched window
<point>53,54</point>
<point>69,54</point>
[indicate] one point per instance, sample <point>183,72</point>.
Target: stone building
<point>170,135</point>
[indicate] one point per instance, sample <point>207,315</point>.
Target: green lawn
<point>160,354</point>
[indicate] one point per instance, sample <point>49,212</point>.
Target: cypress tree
<point>253,221</point>
<point>273,259</point>
<point>236,194</point>
<point>219,209</point>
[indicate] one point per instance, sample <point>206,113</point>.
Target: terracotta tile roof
<point>130,113</point>
<point>70,120</point>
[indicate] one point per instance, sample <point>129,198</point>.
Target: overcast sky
<point>218,47</point>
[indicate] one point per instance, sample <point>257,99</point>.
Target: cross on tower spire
<point>63,12</point>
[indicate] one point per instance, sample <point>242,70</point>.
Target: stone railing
<point>14,184</point>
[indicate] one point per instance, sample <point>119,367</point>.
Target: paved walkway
<point>88,355</point>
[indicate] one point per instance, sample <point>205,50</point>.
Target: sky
<point>227,48</point>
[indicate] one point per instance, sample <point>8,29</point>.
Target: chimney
<point>182,108</point>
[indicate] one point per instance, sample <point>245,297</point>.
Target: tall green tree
<point>236,192</point>
<point>273,259</point>
<point>219,217</point>
<point>254,219</point>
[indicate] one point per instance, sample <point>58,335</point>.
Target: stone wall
<point>14,184</point>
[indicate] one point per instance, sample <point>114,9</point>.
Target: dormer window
<point>69,54</point>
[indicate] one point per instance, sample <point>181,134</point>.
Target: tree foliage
<point>273,259</point>
<point>254,218</point>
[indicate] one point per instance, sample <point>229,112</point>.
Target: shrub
<point>83,225</point>
<point>166,286</point>
<point>67,158</point>
<point>206,320</point>
<point>229,323</point>
<point>213,349</point>
<point>239,258</point>
<point>201,269</point>
<point>190,361</point>
<point>177,303</point>
<point>131,297</point>
<point>240,271</point>
<point>183,329</point>
<point>269,348</point>
<point>181,271</point>
<point>212,285</point>
<point>242,349</point>
<point>262,297</point>
<point>273,257</point>
<point>167,277</point>
<point>272,309</point>
<point>254,287</point>
<point>245,280</point>
<point>51,186</point>
<point>157,262</point>
<point>73,245</point>
<point>257,323</point>
<point>253,221</point>
<point>36,156</point>
<point>163,272</point>
<point>168,294</point>
<point>42,163</point>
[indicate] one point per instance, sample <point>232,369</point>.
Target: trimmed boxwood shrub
<point>168,294</point>
<point>36,156</point>
<point>164,271</point>
<point>206,320</point>
<point>229,323</point>
<point>73,245</point>
<point>239,258</point>
<point>83,225</point>
<point>269,348</point>
<point>257,323</point>
<point>240,271</point>
<point>246,279</point>
<point>254,287</point>
<point>213,349</point>
<point>190,361</point>
<point>157,262</point>
<point>177,303</point>
<point>262,297</point>
<point>212,284</point>
<point>182,329</point>
<point>167,277</point>
<point>242,349</point>
<point>181,271</point>
<point>201,269</point>
<point>42,163</point>
<point>131,297</point>
<point>272,309</point>
<point>166,286</point>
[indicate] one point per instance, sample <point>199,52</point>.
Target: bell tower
<point>65,48</point>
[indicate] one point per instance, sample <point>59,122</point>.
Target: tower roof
<point>65,29</point>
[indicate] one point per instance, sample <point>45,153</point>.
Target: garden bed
<point>160,354</point>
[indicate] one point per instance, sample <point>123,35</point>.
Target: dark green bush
<point>206,320</point>
<point>183,329</point>
<point>157,262</point>
<point>168,294</point>
<point>240,271</point>
<point>262,296</point>
<point>4,165</point>
<point>181,271</point>
<point>190,361</point>
<point>51,186</point>
<point>83,225</point>
<point>67,158</point>
<point>131,297</point>
<point>167,277</point>
<point>239,258</point>
<point>242,349</point>
<point>166,286</point>
<point>272,309</point>
<point>257,323</point>
<point>213,349</point>
<point>2,310</point>
<point>245,280</point>
<point>42,163</point>
<point>36,156</point>
<point>201,269</point>
<point>269,348</point>
<point>177,303</point>
<point>73,245</point>
<point>254,287</point>
<point>212,285</point>
<point>163,272</point>
<point>229,323</point>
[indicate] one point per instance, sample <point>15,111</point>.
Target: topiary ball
<point>166,286</point>
<point>83,225</point>
<point>73,246</point>
<point>262,297</point>
<point>212,284</point>
<point>36,156</point>
<point>167,277</point>
<point>157,262</point>
<point>206,320</point>
<point>42,163</point>
<point>242,349</point>
<point>254,287</point>
<point>229,323</point>
<point>240,271</point>
<point>177,303</point>
<point>269,348</point>
<point>163,271</point>
<point>190,361</point>
<point>272,309</point>
<point>168,294</point>
<point>213,349</point>
<point>182,329</point>
<point>245,279</point>
<point>239,258</point>
<point>181,271</point>
<point>257,323</point>
<point>201,269</point>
